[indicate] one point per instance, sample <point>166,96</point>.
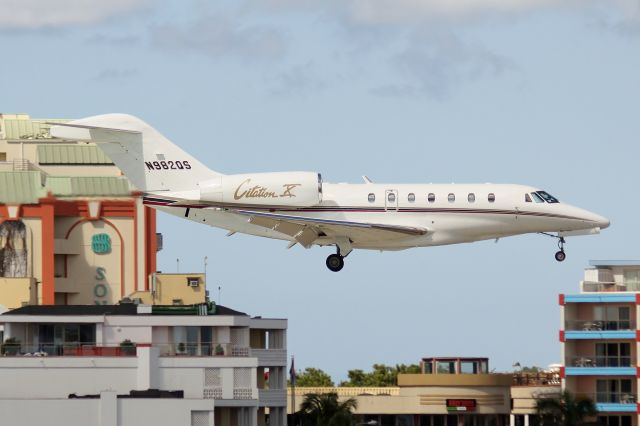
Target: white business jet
<point>298,207</point>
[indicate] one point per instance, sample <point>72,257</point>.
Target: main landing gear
<point>560,254</point>
<point>335,262</point>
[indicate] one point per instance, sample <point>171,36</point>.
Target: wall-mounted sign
<point>101,243</point>
<point>461,404</point>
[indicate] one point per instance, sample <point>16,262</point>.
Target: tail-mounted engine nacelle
<point>298,189</point>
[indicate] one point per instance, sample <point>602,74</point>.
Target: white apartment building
<point>128,364</point>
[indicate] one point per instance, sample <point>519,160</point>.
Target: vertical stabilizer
<point>149,160</point>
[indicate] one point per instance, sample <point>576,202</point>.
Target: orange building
<point>72,230</point>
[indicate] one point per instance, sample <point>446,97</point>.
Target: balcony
<point>614,402</point>
<point>591,365</point>
<point>599,325</point>
<point>592,333</point>
<point>603,286</point>
<point>10,349</point>
<point>201,349</point>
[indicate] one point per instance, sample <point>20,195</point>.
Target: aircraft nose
<point>601,221</point>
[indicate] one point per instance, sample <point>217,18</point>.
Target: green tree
<point>565,410</point>
<point>380,376</point>
<point>326,410</point>
<point>313,377</point>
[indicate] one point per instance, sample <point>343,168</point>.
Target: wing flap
<point>307,229</point>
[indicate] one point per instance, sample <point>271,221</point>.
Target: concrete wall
<point>17,291</point>
<point>105,411</point>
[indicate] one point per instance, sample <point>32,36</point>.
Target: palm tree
<point>565,410</point>
<point>324,409</point>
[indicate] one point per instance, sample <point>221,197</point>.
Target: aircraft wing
<point>306,230</point>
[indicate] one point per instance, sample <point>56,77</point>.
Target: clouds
<point>215,35</point>
<point>433,67</point>
<point>47,14</point>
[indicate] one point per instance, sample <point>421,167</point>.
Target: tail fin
<point>148,159</point>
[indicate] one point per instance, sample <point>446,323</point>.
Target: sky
<point>537,92</point>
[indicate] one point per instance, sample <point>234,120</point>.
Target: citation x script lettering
<point>302,209</point>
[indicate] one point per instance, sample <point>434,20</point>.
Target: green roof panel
<point>20,188</point>
<point>17,128</point>
<point>65,154</point>
<point>89,186</point>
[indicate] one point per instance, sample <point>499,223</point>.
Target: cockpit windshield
<point>537,198</point>
<point>547,197</point>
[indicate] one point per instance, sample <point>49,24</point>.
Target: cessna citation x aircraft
<point>298,207</point>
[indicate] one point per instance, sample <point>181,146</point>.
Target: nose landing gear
<point>560,254</point>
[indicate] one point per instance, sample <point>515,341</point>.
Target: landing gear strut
<point>335,262</point>
<point>560,255</point>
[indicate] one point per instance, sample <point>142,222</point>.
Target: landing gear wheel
<point>335,262</point>
<point>560,256</point>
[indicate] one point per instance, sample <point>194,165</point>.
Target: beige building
<point>449,392</point>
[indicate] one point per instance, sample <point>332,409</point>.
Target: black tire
<point>335,262</point>
<point>560,256</point>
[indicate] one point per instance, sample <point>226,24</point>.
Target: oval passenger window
<point>471,197</point>
<point>491,197</point>
<point>431,197</point>
<point>411,197</point>
<point>391,197</point>
<point>372,197</point>
<point>451,197</point>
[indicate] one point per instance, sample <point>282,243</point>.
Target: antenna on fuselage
<point>366,179</point>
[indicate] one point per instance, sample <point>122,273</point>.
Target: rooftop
<point>123,309</point>
<point>600,263</point>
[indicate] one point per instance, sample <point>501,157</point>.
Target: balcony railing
<point>536,379</point>
<point>614,397</point>
<point>600,286</point>
<point>599,325</point>
<point>67,349</point>
<point>201,349</point>
<point>591,361</point>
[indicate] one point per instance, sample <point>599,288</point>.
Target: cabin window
<point>451,197</point>
<point>527,198</point>
<point>371,197</point>
<point>411,197</point>
<point>537,198</point>
<point>391,197</point>
<point>431,197</point>
<point>471,197</point>
<point>491,197</point>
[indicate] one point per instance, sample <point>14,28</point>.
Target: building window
<point>612,317</point>
<point>613,355</point>
<point>431,197</point>
<point>391,197</point>
<point>411,197</point>
<point>451,197</point>
<point>491,197</point>
<point>193,281</point>
<point>446,367</point>
<point>371,197</point>
<point>616,391</point>
<point>471,197</point>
